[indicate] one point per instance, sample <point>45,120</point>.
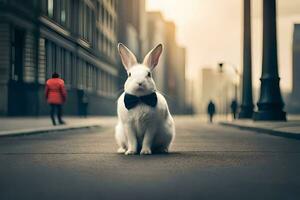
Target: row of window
<point>101,37</point>
<point>78,73</point>
<point>60,11</point>
<point>105,17</point>
<point>86,22</point>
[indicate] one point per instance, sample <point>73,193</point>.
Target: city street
<point>206,162</point>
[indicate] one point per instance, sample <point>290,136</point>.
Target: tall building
<point>180,79</point>
<point>76,38</point>
<point>293,104</point>
<point>296,62</point>
<point>190,93</point>
<point>156,35</point>
<point>142,31</point>
<point>216,86</point>
<point>169,75</point>
<point>175,71</point>
<point>132,31</point>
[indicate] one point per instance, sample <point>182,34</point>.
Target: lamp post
<point>221,67</point>
<point>270,104</point>
<point>247,98</point>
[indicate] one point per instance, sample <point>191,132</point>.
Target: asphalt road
<point>206,162</point>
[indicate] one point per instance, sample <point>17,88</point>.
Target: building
<point>175,70</point>
<point>156,35</point>
<point>141,31</point>
<point>211,84</point>
<point>132,31</point>
<point>169,75</point>
<point>293,105</point>
<point>76,38</point>
<point>180,79</point>
<point>190,93</point>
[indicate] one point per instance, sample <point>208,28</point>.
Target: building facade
<point>169,75</point>
<point>211,84</point>
<point>181,79</point>
<point>76,38</point>
<point>293,105</point>
<point>175,70</point>
<point>132,31</point>
<point>156,35</point>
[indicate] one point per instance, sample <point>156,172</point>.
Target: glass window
<point>74,70</point>
<point>99,79</point>
<point>67,68</point>
<point>94,78</point>
<point>63,16</point>
<point>58,60</point>
<point>63,63</point>
<point>81,19</point>
<point>50,8</point>
<point>80,74</point>
<point>84,78</point>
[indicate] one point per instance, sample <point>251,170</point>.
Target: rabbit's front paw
<point>146,152</point>
<point>130,152</point>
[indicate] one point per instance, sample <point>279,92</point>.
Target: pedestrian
<point>211,109</point>
<point>234,107</point>
<point>55,94</point>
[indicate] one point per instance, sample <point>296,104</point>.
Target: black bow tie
<point>131,101</point>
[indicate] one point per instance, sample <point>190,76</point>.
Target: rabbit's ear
<point>152,58</point>
<point>127,57</point>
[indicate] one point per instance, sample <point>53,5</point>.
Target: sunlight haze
<point>211,30</point>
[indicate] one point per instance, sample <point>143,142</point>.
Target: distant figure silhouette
<point>211,109</point>
<point>234,107</point>
<point>55,94</point>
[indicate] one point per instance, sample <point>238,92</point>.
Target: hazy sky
<point>211,30</point>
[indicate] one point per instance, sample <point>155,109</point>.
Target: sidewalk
<point>14,126</point>
<point>289,129</point>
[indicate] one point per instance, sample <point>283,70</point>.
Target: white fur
<point>143,128</point>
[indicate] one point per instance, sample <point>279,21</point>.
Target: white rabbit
<point>145,124</point>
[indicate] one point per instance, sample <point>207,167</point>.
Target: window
<point>81,18</point>
<point>50,8</point>
<point>59,10</point>
<point>89,77</point>
<point>104,82</point>
<point>99,79</point>
<point>63,16</point>
<point>64,13</point>
<point>63,63</point>
<point>85,22</point>
<point>58,60</point>
<point>79,74</point>
<point>42,61</point>
<point>74,67</point>
<point>17,46</point>
<point>94,74</point>
<point>50,58</point>
<point>84,75</point>
<point>53,56</point>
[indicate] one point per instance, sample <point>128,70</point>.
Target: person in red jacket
<point>55,94</point>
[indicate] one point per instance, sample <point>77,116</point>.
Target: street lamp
<point>221,66</point>
<point>235,84</point>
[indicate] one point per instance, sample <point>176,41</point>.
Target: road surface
<point>206,162</point>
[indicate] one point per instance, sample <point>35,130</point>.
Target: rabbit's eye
<point>149,74</point>
<point>129,74</point>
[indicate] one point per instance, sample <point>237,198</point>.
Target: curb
<point>24,132</point>
<point>264,130</point>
